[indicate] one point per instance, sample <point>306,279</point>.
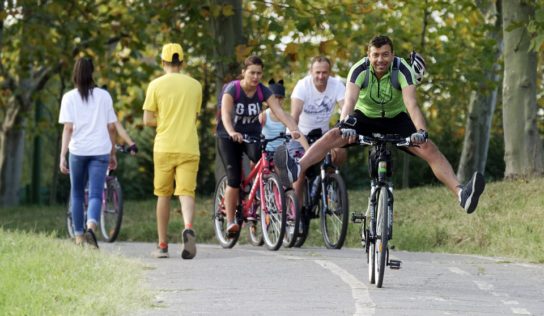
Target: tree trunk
<point>481,108</point>
<point>228,32</point>
<point>523,145</point>
<point>12,161</point>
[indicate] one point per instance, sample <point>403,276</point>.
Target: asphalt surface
<point>247,280</point>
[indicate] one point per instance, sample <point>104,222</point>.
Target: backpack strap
<point>395,73</point>
<point>260,93</point>
<point>238,87</point>
<point>366,65</point>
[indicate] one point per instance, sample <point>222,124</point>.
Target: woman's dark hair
<point>379,41</point>
<point>252,60</point>
<point>82,77</point>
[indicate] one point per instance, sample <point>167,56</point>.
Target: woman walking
<point>89,134</point>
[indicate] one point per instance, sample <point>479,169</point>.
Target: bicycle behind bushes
<point>262,199</point>
<point>377,222</point>
<point>111,214</point>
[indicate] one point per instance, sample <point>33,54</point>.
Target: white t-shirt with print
<point>90,135</point>
<point>318,106</point>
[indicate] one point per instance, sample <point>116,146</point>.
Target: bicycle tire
<point>293,219</point>
<point>382,235</point>
<point>273,216</point>
<point>305,217</point>
<point>334,214</point>
<point>111,215</point>
<point>219,216</point>
<point>255,232</point>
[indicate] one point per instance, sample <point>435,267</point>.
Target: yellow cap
<point>168,51</point>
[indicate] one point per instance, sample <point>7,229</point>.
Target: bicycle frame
<point>261,168</point>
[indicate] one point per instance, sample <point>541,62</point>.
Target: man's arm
<point>352,93</point>
<point>409,98</point>
<point>150,118</point>
<point>296,108</point>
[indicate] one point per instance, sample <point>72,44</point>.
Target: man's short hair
<point>379,41</point>
<point>320,59</point>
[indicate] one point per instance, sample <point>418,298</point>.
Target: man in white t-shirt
<point>313,102</point>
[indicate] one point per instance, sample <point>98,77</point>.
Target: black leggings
<point>231,155</point>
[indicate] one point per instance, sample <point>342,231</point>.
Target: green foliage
<point>125,42</point>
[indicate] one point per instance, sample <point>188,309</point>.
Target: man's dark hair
<point>379,41</point>
<point>253,60</point>
<point>82,76</point>
<point>175,61</point>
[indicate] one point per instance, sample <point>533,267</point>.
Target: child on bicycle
<point>241,105</point>
<point>272,126</point>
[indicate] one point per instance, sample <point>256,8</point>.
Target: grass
<point>42,275</point>
<point>507,223</point>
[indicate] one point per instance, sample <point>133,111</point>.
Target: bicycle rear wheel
<point>293,219</point>
<point>382,234</point>
<point>219,216</point>
<point>334,214</point>
<point>273,215</point>
<point>111,216</point>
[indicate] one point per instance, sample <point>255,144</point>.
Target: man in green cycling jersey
<point>383,105</point>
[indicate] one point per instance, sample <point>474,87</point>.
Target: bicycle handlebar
<point>376,138</point>
<point>254,139</point>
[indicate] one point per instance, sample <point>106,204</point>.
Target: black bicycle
<point>325,197</point>
<point>377,223</point>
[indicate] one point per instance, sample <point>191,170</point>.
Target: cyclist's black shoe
<point>286,167</point>
<point>471,191</point>
<point>189,244</point>
<point>90,238</point>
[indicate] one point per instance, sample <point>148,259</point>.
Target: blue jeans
<point>93,169</point>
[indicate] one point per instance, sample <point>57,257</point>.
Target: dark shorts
<point>400,124</point>
<point>231,155</point>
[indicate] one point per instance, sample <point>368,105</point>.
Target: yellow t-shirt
<point>176,99</point>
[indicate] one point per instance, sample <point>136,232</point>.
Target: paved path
<point>249,280</point>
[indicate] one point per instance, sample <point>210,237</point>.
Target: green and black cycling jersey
<point>379,98</point>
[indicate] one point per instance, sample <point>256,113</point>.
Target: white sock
<point>459,194</point>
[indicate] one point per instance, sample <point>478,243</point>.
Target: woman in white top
<point>89,132</point>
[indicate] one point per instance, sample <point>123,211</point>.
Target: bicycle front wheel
<point>334,219</point>
<point>293,219</point>
<point>382,234</point>
<point>254,226</point>
<point>273,214</point>
<point>220,216</point>
<point>111,216</point>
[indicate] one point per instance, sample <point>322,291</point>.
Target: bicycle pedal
<point>394,264</point>
<point>357,217</point>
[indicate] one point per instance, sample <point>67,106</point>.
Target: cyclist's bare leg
<point>441,167</point>
<point>298,186</point>
<point>339,156</point>
<point>187,209</point>
<point>316,152</point>
<point>231,199</point>
<point>163,216</point>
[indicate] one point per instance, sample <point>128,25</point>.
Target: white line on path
<point>484,286</point>
<point>359,291</point>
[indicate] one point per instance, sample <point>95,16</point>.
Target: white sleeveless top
<point>271,129</point>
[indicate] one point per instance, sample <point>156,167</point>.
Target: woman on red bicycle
<point>241,104</point>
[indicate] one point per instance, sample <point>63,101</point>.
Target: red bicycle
<point>262,199</point>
